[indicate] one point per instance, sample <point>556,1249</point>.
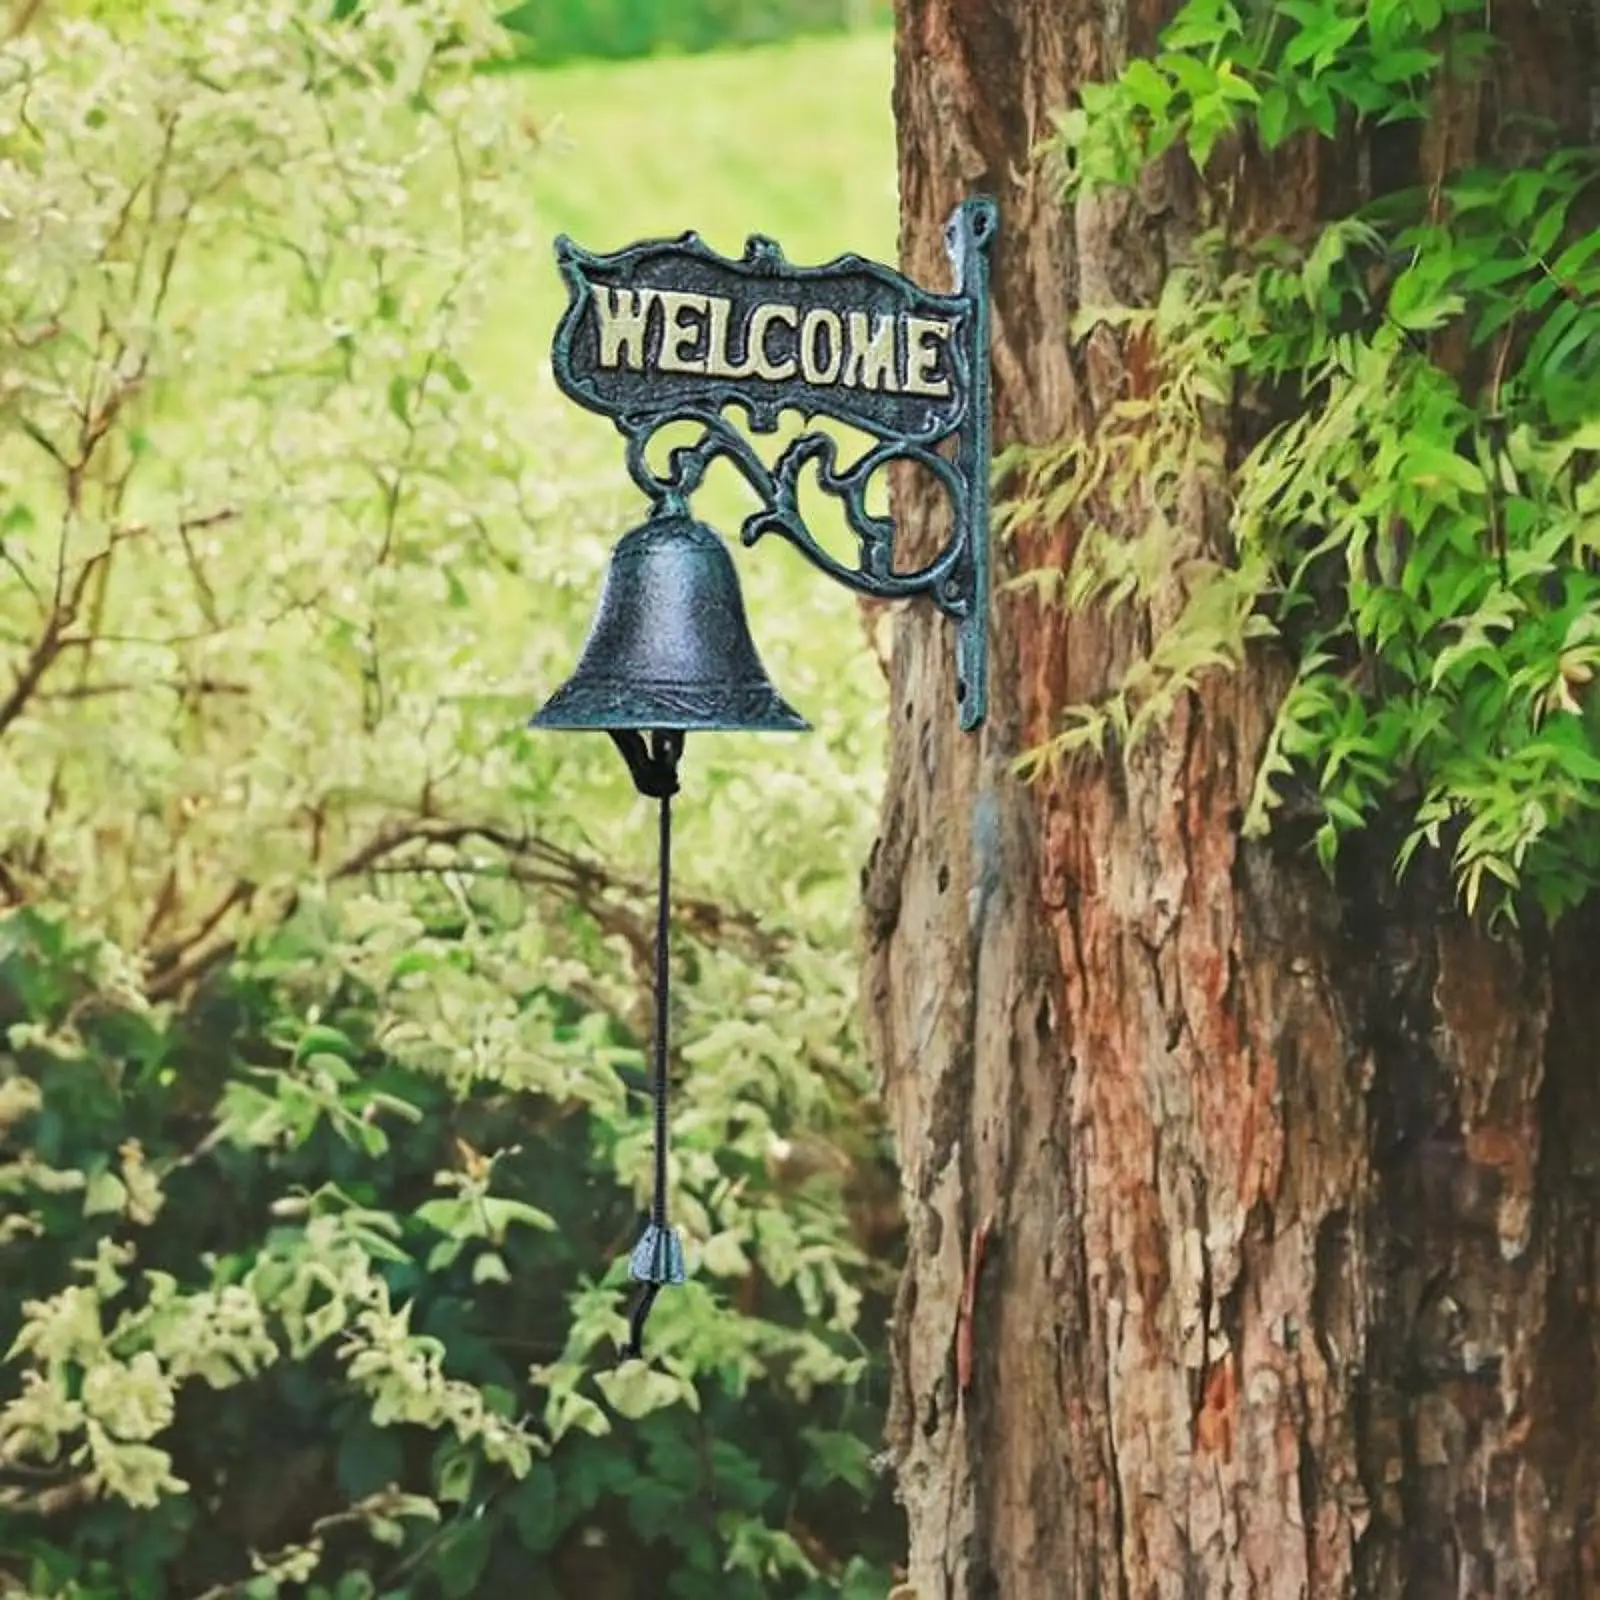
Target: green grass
<point>793,140</point>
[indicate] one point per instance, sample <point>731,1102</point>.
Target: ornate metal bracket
<point>667,331</point>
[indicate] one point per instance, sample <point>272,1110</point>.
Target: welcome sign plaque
<point>669,331</point>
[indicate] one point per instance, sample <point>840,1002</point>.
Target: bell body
<point>670,646</point>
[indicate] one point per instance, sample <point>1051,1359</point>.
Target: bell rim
<point>602,705</point>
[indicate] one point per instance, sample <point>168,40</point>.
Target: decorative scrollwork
<point>778,487</point>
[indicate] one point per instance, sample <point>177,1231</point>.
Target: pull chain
<point>657,1259</point>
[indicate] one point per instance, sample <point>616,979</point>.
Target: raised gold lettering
<point>676,335</point>
<point>813,367</point>
<point>622,314</point>
<point>758,362</point>
<point>698,336</point>
<point>869,362</point>
<point>922,355</point>
<point>717,363</point>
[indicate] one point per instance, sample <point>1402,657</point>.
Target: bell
<point>670,646</point>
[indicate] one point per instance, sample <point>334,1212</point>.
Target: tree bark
<point>1289,1279</point>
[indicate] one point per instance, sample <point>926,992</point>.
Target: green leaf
<point>104,1195</point>
<point>1233,87</point>
<point>460,1556</point>
<point>655,1509</point>
<point>454,1471</point>
<point>454,1216</point>
<point>1495,316</point>
<point>1556,326</point>
<point>490,1267</point>
<point>588,1474</point>
<point>370,1459</point>
<point>1497,270</point>
<point>838,1456</point>
<point>1320,108</point>
<point>723,1255</point>
<point>1197,79</point>
<point>1398,66</point>
<point>444,1254</point>
<point>321,1039</point>
<point>331,1067</point>
<point>532,1505</point>
<point>1273,117</point>
<point>413,961</point>
<point>1569,263</point>
<point>1419,304</point>
<point>1321,42</point>
<point>1578,762</point>
<point>455,375</point>
<point>633,1390</point>
<point>1147,86</point>
<point>393,1106</point>
<point>1430,466</point>
<point>1198,27</point>
<point>501,1213</point>
<point>1547,230</point>
<point>568,1410</point>
<point>1326,841</point>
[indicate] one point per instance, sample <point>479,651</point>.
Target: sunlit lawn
<point>795,141</point>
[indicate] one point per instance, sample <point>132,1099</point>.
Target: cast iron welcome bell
<point>668,331</point>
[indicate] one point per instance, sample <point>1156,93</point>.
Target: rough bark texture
<point>1290,1280</point>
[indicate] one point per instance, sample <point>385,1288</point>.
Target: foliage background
<point>323,982</point>
<point>545,33</point>
<point>554,31</point>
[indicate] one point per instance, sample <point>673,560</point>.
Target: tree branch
<point>530,859</point>
<point>182,687</point>
<point>54,638</point>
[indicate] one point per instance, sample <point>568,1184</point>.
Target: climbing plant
<point>1401,413</point>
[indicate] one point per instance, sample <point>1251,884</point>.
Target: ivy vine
<point>1418,521</point>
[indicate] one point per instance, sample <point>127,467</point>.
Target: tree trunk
<point>1290,1277</point>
